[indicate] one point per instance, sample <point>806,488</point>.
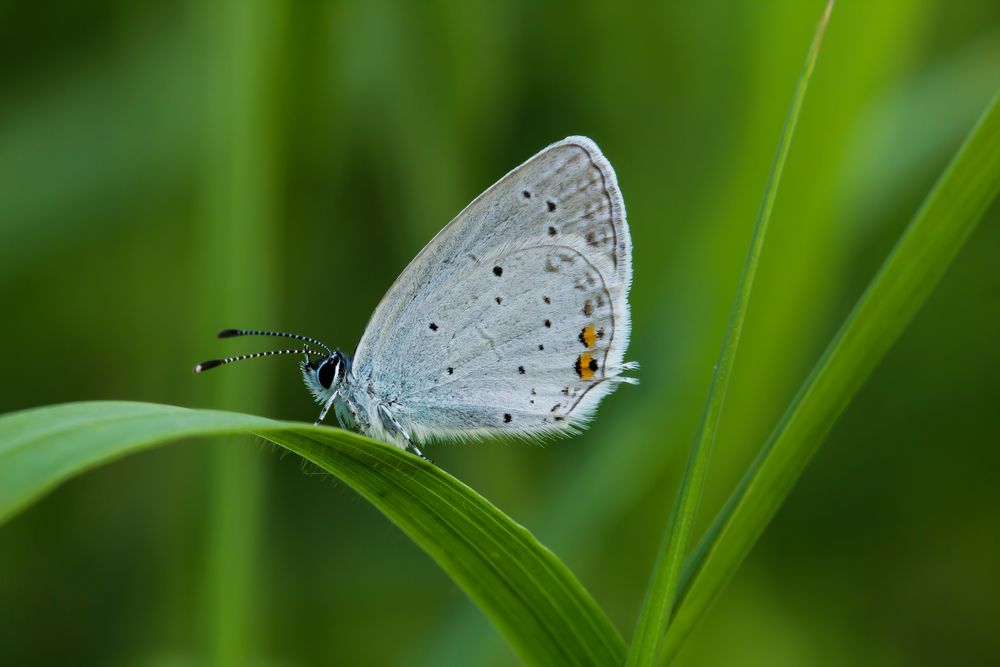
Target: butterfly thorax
<point>354,400</point>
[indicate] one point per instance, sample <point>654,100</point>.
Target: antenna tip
<point>206,365</point>
<point>229,333</point>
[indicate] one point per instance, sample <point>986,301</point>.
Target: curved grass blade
<point>661,593</point>
<point>532,598</point>
<point>929,244</point>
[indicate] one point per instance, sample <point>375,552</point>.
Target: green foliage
<point>916,264</point>
<point>661,595</point>
<point>171,169</point>
<point>533,599</point>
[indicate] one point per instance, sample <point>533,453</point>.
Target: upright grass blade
<point>916,264</point>
<point>662,590</point>
<point>234,260</point>
<point>531,597</point>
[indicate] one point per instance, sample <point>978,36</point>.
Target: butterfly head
<point>323,375</point>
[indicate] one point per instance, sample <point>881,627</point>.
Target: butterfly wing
<point>514,318</point>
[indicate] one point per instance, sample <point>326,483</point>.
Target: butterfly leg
<point>351,418</point>
<point>395,425</point>
<point>326,407</point>
<point>413,448</point>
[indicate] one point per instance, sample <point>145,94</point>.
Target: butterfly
<point>513,320</point>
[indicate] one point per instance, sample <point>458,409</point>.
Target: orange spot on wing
<point>588,336</point>
<point>585,366</point>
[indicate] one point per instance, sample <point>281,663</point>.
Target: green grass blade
<point>531,597</point>
<point>235,265</point>
<point>913,268</point>
<point>661,593</point>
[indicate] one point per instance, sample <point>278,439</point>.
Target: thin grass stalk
<point>914,267</point>
<point>662,590</point>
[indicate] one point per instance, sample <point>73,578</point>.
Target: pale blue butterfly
<point>514,319</point>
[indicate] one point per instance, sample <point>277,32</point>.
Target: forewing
<point>515,315</point>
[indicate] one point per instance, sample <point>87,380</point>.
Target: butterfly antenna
<point>213,363</point>
<point>232,333</point>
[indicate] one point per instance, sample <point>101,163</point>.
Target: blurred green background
<point>171,169</point>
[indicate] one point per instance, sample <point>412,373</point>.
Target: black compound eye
<point>325,374</point>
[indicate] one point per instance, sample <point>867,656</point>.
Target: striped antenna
<point>214,363</point>
<point>232,333</point>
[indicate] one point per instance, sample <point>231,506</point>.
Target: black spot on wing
<point>551,205</point>
<point>433,326</point>
<point>506,418</point>
<point>497,271</point>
